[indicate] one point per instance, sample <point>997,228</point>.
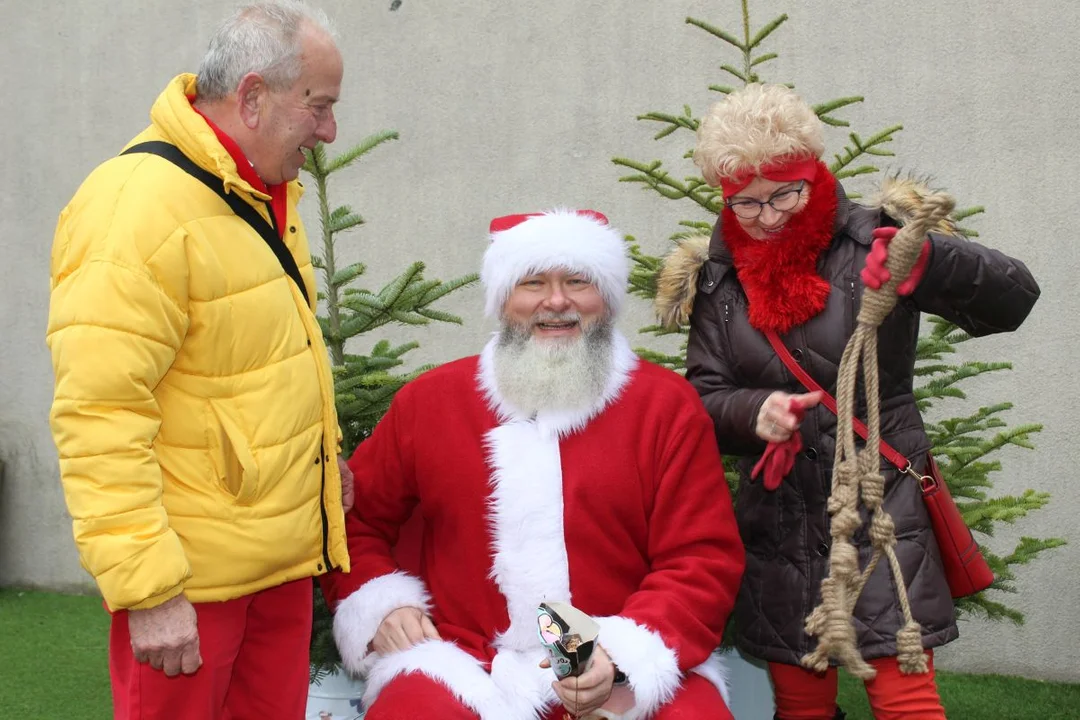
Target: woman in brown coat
<point>789,254</point>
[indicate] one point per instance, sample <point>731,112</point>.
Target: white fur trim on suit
<point>516,689</point>
<point>558,424</point>
<point>556,239</point>
<point>651,667</point>
<point>716,671</point>
<point>529,563</point>
<point>357,617</point>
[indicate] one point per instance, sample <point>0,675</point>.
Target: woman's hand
<point>777,420</point>
<point>875,274</point>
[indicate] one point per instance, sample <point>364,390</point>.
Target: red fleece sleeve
<point>695,551</point>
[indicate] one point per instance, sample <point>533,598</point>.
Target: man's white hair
<point>263,38</point>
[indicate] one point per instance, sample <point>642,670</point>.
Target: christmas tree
<point>962,445</point>
<point>364,385</point>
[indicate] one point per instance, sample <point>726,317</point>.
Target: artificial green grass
<point>981,697</point>
<point>53,657</point>
<point>54,664</point>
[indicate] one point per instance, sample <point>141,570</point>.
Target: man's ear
<point>250,97</point>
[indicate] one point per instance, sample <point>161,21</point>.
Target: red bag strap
<point>888,451</point>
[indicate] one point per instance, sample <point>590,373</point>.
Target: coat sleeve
<point>676,618</point>
<point>114,332</point>
<point>385,498</point>
<point>733,409</point>
<point>980,289</point>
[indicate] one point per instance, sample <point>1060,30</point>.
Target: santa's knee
<point>417,697</point>
<point>696,698</point>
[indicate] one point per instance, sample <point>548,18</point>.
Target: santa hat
<point>764,130</point>
<point>575,240</point>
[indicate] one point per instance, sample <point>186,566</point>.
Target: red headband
<point>804,167</point>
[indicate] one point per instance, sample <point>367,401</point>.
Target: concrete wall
<point>516,106</point>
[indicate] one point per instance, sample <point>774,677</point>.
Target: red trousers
<point>255,663</point>
<point>805,695</point>
<point>417,697</point>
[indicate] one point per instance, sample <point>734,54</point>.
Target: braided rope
<point>857,475</point>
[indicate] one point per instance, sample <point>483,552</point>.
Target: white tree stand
<point>337,694</point>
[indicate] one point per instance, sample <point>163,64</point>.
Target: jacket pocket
<point>231,456</point>
<point>757,513</point>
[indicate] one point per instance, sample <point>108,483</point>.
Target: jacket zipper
<point>854,320</point>
<point>322,511</point>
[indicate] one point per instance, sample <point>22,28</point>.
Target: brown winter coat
<point>786,532</point>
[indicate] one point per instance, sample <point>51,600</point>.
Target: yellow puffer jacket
<point>194,407</point>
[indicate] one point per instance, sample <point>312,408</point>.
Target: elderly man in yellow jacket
<point>194,405</point>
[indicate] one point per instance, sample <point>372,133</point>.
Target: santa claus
<point>555,466</point>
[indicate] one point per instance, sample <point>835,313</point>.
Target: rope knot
<point>873,489</point>
<point>909,650</point>
<point>857,474</point>
<point>845,522</point>
<point>882,530</point>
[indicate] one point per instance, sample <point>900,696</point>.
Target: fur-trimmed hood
<point>677,282</point>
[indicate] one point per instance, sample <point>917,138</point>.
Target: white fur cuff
<point>358,616</point>
<point>651,667</point>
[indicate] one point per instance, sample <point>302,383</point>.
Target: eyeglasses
<point>781,202</point>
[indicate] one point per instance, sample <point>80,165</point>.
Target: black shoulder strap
<point>247,213</point>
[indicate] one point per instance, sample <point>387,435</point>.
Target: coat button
<point>318,460</point>
<point>319,567</point>
<point>823,549</point>
<point>797,354</point>
<point>292,228</point>
<point>710,283</point>
<point>811,453</point>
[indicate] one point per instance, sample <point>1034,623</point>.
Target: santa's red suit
<point>621,509</point>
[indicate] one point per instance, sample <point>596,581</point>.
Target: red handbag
<point>966,570</point>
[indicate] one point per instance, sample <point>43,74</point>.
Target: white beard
<point>555,374</point>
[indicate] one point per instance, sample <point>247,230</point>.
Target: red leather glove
<point>874,275</point>
<point>779,457</point>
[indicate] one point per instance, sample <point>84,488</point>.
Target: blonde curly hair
<point>754,126</point>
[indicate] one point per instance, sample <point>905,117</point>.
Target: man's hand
<point>403,628</point>
<point>347,492</point>
<point>776,420</point>
<point>166,636</point>
<point>587,692</point>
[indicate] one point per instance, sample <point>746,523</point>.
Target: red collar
<point>279,194</point>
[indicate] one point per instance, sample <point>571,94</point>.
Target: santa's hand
<point>875,274</point>
<point>587,692</point>
<point>403,628</point>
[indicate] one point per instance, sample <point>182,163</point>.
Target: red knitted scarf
<point>779,274</point>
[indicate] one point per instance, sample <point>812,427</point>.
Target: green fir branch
<point>654,177</point>
<point>718,33</point>
<point>766,31</point>
<point>858,148</point>
<point>362,148</point>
